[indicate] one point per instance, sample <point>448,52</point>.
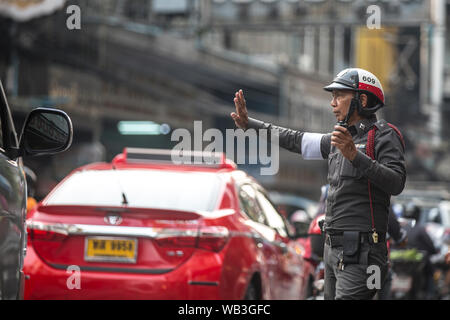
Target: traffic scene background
<point>131,72</point>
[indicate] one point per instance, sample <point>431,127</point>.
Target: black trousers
<point>355,281</point>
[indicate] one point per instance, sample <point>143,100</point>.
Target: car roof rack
<point>217,160</point>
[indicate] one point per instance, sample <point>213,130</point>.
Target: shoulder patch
<point>382,125</point>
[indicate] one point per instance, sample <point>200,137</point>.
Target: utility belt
<point>337,239</point>
<point>351,242</point>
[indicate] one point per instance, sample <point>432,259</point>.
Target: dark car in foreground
<point>46,131</point>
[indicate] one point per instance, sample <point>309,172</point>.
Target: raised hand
<point>240,117</point>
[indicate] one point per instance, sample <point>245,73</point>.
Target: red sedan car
<point>144,228</point>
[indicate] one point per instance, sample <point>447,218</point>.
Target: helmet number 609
<point>368,79</point>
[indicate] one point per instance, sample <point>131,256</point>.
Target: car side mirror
<point>46,131</point>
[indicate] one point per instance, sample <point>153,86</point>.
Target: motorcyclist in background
<point>419,239</point>
<point>399,238</point>
<point>300,220</point>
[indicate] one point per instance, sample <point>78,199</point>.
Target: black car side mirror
<point>46,131</point>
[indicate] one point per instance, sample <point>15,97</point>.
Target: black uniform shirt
<point>348,205</point>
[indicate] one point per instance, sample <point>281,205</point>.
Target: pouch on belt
<point>351,243</point>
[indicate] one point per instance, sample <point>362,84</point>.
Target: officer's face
<point>341,103</point>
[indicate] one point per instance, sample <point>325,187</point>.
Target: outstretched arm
<point>312,146</point>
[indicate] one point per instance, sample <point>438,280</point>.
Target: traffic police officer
<point>365,167</point>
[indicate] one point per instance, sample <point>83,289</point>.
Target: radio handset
<point>343,124</point>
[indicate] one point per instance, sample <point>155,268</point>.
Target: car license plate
<point>108,249</point>
<point>401,283</point>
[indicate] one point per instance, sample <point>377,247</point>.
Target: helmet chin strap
<point>355,104</point>
<point>366,112</point>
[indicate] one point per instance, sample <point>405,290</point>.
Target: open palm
<point>240,117</point>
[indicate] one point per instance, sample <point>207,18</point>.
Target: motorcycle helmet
<point>412,211</point>
<point>360,81</point>
<point>301,221</point>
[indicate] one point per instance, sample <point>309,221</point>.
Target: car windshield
<point>188,191</point>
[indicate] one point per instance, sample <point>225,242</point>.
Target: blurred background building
<point>171,62</point>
